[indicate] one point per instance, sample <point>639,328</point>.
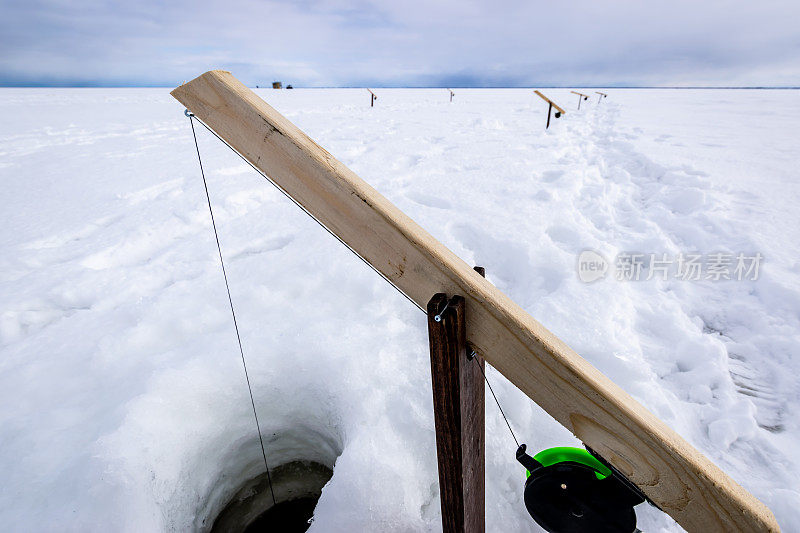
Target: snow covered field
<point>123,404</point>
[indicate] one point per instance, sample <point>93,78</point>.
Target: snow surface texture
<point>123,404</point>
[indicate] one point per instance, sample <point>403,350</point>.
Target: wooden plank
<point>677,477</point>
<point>576,92</point>
<point>458,407</point>
<point>546,99</point>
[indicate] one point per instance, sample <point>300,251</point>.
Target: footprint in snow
<point>692,172</point>
<point>269,245</point>
<point>61,239</point>
<point>684,201</point>
<point>139,247</point>
<point>549,176</point>
<point>428,200</point>
<point>148,194</point>
<point>542,196</point>
<point>354,151</point>
<point>566,238</point>
<point>758,386</point>
<point>407,161</point>
<point>33,316</point>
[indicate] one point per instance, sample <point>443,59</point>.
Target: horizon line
<point>599,86</point>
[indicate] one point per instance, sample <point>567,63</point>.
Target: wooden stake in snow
<point>673,474</point>
<point>458,412</point>
<point>372,98</point>
<point>602,95</point>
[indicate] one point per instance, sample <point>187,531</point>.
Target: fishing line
<point>233,313</point>
<point>475,360</point>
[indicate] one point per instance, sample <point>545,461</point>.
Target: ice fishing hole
<point>297,485</point>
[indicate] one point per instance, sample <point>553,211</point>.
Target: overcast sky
<point>506,43</point>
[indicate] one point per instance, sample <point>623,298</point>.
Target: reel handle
<point>527,461</point>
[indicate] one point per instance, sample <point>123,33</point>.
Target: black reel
<point>589,496</point>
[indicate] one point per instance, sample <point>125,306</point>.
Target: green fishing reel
<point>572,490</point>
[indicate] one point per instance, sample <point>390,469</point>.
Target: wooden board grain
<point>677,477</point>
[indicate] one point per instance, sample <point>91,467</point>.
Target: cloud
<point>410,43</point>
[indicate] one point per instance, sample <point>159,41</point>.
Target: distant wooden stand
<point>581,96</point>
<point>552,104</point>
<point>459,416</point>
<point>372,99</point>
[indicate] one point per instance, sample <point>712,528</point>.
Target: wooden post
<point>458,408</point>
<point>673,474</point>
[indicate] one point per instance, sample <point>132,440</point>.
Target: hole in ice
<point>297,485</point>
